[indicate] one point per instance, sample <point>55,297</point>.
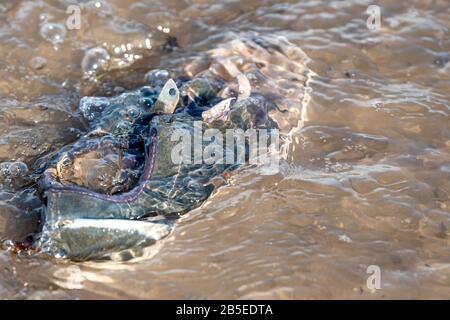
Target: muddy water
<point>365,175</point>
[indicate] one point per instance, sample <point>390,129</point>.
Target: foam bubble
<point>53,32</point>
<point>95,61</point>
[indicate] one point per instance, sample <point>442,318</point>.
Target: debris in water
<point>38,63</point>
<point>345,238</point>
<point>168,98</point>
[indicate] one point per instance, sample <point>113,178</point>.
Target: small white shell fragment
<point>168,98</point>
<point>245,88</point>
<point>218,112</point>
<point>345,238</point>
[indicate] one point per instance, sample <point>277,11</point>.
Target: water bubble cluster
<point>13,174</point>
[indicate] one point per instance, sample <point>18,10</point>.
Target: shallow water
<point>365,179</point>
